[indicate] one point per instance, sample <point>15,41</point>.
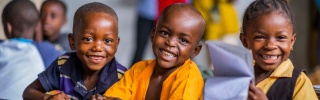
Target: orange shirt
<point>185,83</point>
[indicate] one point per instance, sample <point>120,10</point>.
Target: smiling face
<point>52,19</point>
<point>270,37</point>
<point>176,39</point>
<point>95,40</point>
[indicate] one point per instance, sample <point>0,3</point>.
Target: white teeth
<point>269,57</point>
<point>94,57</point>
<point>168,54</point>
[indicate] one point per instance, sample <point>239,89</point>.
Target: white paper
<point>233,72</point>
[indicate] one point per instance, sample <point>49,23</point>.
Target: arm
<point>34,91</point>
<point>46,81</point>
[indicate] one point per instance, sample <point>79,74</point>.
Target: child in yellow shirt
<point>268,30</point>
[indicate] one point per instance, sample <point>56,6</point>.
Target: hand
<point>59,96</point>
<point>256,93</point>
<point>98,97</point>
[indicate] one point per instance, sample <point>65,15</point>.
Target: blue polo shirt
<point>65,74</point>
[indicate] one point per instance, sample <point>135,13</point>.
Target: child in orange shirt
<point>172,75</point>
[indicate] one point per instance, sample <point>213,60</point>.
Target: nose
<point>171,42</point>
<point>271,44</point>
<point>98,46</point>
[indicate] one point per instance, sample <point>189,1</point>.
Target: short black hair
<point>259,8</point>
<point>183,7</point>
<point>94,7</point>
<point>62,4</point>
<point>21,14</point>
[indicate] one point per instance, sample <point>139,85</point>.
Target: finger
<point>93,97</point>
<point>64,96</point>
<point>251,96</point>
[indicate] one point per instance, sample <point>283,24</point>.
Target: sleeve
<point>49,78</point>
<point>189,88</point>
<point>122,88</point>
<point>304,89</point>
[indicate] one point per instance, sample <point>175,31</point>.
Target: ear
<point>8,30</point>
<point>153,32</point>
<point>71,41</point>
<point>293,40</point>
<point>197,50</point>
<point>38,32</point>
<point>117,44</point>
<point>243,39</point>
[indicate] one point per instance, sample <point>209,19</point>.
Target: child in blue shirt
<point>92,68</point>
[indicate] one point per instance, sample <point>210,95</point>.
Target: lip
<point>269,58</point>
<point>95,58</point>
<point>167,55</point>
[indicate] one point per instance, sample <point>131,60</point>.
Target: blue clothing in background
<point>20,63</point>
<point>47,51</point>
<point>148,9</point>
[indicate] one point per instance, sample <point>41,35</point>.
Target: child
<point>92,68</point>
<point>20,61</point>
<point>172,75</point>
<point>53,17</point>
<point>268,30</point>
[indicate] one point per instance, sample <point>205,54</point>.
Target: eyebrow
<point>187,35</point>
<point>183,34</point>
<point>168,28</point>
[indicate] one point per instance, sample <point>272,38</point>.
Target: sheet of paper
<point>233,72</point>
<point>226,88</point>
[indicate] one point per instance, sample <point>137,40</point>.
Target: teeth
<point>167,54</point>
<point>269,57</point>
<point>95,57</point>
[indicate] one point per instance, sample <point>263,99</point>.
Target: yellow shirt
<point>303,89</point>
<point>185,83</point>
<point>228,22</point>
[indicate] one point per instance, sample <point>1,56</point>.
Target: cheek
<point>111,50</point>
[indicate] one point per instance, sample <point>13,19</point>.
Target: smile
<point>167,53</point>
<point>269,59</point>
<point>96,59</point>
<point>266,57</point>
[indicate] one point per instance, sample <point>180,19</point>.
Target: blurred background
<point>305,53</point>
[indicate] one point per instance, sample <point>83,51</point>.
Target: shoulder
<point>139,67</point>
<point>189,71</point>
<point>63,58</point>
<point>142,64</point>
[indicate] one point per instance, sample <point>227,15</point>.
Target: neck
<point>52,38</point>
<point>163,72</point>
<point>88,74</point>
<point>260,74</point>
<point>25,34</point>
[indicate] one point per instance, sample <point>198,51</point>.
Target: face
<point>52,19</point>
<point>175,39</point>
<point>96,40</point>
<point>270,38</point>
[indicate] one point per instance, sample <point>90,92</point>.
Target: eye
<point>108,41</point>
<point>53,15</point>
<point>164,33</point>
<point>87,39</point>
<point>184,41</point>
<point>282,37</point>
<point>259,37</point>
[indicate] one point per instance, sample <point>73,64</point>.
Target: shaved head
<point>187,11</point>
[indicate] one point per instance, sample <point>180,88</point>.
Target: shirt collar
<point>73,68</point>
<point>23,40</point>
<point>283,70</point>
